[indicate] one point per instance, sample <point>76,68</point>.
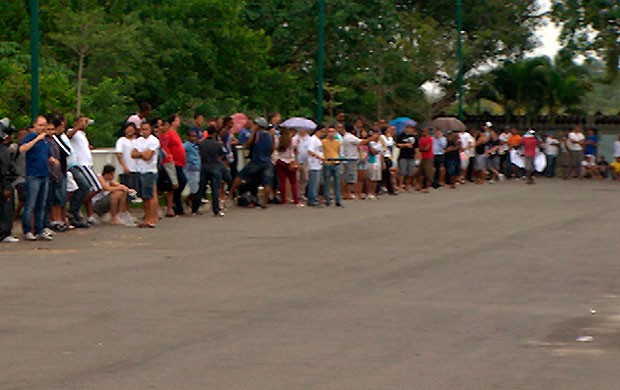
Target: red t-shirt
<point>424,142</point>
<point>529,146</point>
<point>173,146</point>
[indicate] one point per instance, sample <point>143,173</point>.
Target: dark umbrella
<point>446,123</point>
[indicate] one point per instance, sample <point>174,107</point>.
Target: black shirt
<point>210,152</point>
<point>404,138</point>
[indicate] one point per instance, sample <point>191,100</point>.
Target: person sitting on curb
<point>112,199</point>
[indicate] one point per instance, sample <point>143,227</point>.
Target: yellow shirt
<point>331,149</point>
<point>616,166</point>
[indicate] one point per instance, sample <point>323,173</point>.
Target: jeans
<point>313,186</point>
<point>550,169</point>
<point>212,175</point>
<point>36,195</point>
<point>176,194</point>
<point>79,195</point>
<point>331,171</point>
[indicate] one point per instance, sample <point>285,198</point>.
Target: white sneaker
<point>92,220</point>
<point>371,197</point>
<point>49,232</point>
<point>502,177</point>
<point>44,237</point>
<point>11,239</point>
<point>29,237</point>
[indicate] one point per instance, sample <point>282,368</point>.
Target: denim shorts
<point>57,195</point>
<point>147,185</point>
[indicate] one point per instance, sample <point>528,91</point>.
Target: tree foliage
<point>591,27</point>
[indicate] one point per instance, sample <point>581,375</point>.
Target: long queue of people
<point>49,167</point>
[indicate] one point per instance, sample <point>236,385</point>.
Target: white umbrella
<point>299,123</point>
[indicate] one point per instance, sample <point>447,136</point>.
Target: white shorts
<point>373,172</point>
<point>71,184</point>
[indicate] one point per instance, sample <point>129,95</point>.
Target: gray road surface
<point>478,288</point>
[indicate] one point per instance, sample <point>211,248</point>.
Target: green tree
<point>591,27</point>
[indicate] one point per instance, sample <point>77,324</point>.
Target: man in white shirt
<point>552,149</point>
<point>575,143</point>
<point>123,148</point>
<point>468,143</point>
<point>80,164</point>
<point>146,152</point>
<point>350,152</point>
<point>315,165</point>
<point>141,116</point>
<point>617,148</point>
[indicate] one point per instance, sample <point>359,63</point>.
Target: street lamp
<point>459,54</point>
<point>320,63</point>
<point>34,58</point>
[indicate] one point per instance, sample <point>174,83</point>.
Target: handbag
<point>293,166</point>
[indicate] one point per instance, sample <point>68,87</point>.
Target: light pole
<point>459,54</point>
<point>34,58</point>
<point>320,63</point>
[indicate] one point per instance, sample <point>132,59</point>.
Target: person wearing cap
<point>260,167</point>
<point>530,143</point>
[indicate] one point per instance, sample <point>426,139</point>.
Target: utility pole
<point>459,53</point>
<point>34,58</point>
<point>320,63</point>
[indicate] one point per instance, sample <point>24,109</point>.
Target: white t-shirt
<point>143,144</point>
<point>468,142</point>
<point>315,146</point>
<point>374,159</point>
<point>552,146</point>
<point>349,146</point>
<point>388,144</point>
<point>81,150</point>
<point>577,137</point>
<point>124,146</point>
<point>136,120</point>
<point>302,147</point>
<point>617,149</point>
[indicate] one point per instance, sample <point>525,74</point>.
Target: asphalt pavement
<point>504,286</point>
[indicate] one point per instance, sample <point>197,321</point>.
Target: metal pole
<point>34,58</point>
<point>459,26</point>
<point>320,63</point>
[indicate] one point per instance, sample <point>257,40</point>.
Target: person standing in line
<point>193,167</point>
<point>575,143</point>
<point>286,165</point>
<point>426,164</point>
<point>406,142</point>
<point>439,146</point>
<point>331,167</point>
<point>301,140</point>
<point>81,167</point>
<point>146,152</point>
<point>212,169</point>
<point>7,175</point>
<point>552,150</point>
<point>171,142</point>
<point>530,144</point>
<point>316,159</point>
<point>36,146</point>
<point>123,148</point>
<point>144,110</point>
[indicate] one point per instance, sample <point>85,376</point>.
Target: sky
<point>548,35</point>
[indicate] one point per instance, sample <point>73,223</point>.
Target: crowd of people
<point>48,168</point>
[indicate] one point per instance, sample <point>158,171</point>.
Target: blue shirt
<point>244,136</point>
<point>37,157</point>
<point>439,146</point>
<point>262,147</point>
<point>591,149</point>
<point>192,156</point>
